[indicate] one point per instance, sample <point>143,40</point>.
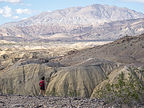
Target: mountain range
<point>94,22</point>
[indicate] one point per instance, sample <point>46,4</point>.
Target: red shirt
<point>42,83</point>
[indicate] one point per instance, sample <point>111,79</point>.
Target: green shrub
<point>124,91</point>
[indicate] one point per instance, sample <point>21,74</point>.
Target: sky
<point>15,10</point>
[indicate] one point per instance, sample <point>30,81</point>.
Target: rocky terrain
<point>116,30</point>
<point>47,102</point>
<point>62,46</point>
<point>20,74</point>
<point>95,22</point>
<point>71,73</point>
<point>19,101</point>
<point>127,50</point>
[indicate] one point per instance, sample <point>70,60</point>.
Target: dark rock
<point>75,98</point>
<point>17,105</point>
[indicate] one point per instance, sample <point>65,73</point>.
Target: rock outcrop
<point>77,73</point>
<point>23,78</point>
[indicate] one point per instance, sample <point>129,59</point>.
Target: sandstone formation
<point>77,73</point>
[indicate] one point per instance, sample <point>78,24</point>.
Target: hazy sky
<point>14,10</point>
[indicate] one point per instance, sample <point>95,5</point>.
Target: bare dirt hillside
<point>127,50</point>
<point>74,73</point>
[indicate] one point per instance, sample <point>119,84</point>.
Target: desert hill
<point>75,73</point>
<point>127,50</point>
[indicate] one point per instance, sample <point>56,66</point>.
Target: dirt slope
<point>76,73</point>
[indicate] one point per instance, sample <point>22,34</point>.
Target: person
<point>42,86</point>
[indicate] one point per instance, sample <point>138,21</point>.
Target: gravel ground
<point>18,101</point>
<point>9,101</point>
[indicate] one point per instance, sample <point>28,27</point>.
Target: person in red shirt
<point>42,86</point>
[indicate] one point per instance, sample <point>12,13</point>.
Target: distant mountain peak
<point>76,20</point>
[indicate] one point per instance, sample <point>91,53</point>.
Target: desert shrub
<point>125,91</point>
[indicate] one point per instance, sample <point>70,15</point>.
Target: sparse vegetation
<point>125,91</point>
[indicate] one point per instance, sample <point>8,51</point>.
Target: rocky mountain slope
<point>128,50</point>
<point>115,30</point>
<point>77,23</point>
<point>89,15</point>
<point>76,73</point>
